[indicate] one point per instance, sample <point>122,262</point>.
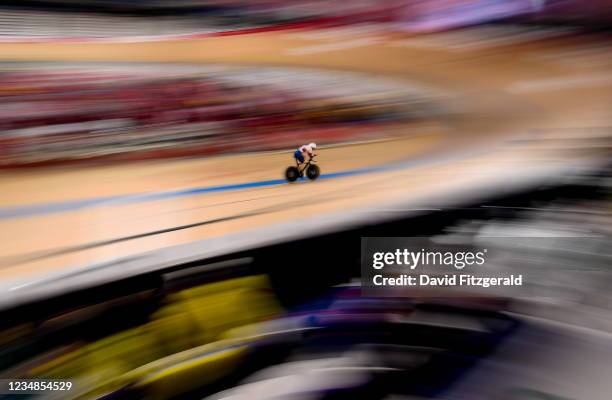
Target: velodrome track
<point>514,114</point>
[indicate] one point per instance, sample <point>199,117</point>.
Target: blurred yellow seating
<point>190,318</point>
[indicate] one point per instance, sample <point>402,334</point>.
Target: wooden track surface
<point>538,90</point>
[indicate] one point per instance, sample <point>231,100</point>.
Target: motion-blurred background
<point>150,247</point>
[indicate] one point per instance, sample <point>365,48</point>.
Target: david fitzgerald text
<point>446,280</point>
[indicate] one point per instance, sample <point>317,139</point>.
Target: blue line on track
<point>73,205</point>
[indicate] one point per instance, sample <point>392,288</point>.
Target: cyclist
<point>303,151</point>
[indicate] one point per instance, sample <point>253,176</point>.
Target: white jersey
<point>306,149</point>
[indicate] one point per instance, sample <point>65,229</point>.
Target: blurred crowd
<point>120,18</point>
<point>64,114</point>
<point>20,23</point>
<point>106,19</point>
